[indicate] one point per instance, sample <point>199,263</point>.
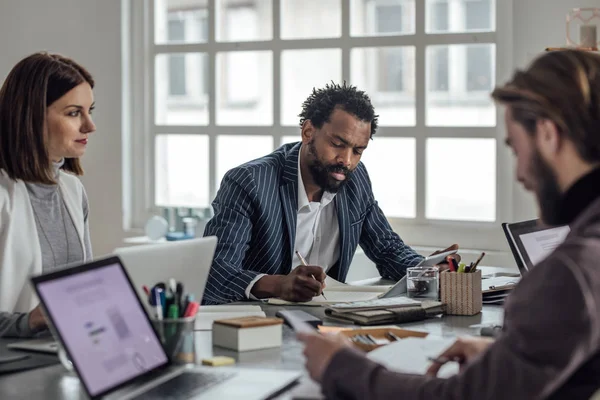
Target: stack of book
<point>393,310</point>
<point>495,290</point>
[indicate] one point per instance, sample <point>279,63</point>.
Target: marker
<point>191,309</point>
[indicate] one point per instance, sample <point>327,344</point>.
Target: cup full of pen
<point>174,316</point>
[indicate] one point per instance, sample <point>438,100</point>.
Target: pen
<point>393,336</point>
<point>443,360</point>
<point>474,267</point>
<point>158,295</point>
<point>303,261</point>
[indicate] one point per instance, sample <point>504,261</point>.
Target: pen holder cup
<point>178,338</point>
<point>461,292</point>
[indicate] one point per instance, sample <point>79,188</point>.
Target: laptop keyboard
<point>185,385</point>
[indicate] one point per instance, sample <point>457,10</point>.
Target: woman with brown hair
<point>46,104</point>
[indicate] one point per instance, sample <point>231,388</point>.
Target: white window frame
<point>139,144</point>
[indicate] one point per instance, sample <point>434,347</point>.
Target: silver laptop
<point>100,322</point>
<point>187,261</point>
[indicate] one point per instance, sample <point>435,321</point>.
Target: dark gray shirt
<point>59,242</point>
<point>550,344</point>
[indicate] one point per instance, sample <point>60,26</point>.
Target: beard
<point>321,172</point>
<point>547,191</point>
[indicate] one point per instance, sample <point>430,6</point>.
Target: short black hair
<point>317,108</point>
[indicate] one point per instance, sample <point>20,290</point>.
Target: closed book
<point>247,333</point>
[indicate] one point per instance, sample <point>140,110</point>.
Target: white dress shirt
<point>317,232</point>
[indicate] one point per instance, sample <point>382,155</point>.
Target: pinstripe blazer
<point>255,221</point>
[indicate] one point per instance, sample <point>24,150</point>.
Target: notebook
<point>389,314</point>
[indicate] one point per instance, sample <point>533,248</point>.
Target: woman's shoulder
<point>8,187</point>
<point>70,180</point>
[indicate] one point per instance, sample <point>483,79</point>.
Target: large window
<point>224,80</point>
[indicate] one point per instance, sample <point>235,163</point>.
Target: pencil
<point>303,261</point>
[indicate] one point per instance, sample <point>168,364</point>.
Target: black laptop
<point>531,241</point>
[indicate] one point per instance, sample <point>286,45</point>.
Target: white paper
<point>305,389</point>
<point>337,286</point>
<point>410,355</point>
<point>333,297</point>
<point>204,321</point>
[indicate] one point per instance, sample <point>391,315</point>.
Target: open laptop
<point>95,314</point>
<point>531,241</point>
<point>187,261</point>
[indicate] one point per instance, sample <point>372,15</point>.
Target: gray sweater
<point>59,243</point>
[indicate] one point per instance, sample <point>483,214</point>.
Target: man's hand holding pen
<point>303,283</point>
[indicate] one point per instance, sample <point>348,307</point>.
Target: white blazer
<point>20,251</point>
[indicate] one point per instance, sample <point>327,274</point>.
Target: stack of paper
<point>207,314</point>
<point>338,292</point>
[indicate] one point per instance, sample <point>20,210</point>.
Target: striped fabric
<point>255,221</point>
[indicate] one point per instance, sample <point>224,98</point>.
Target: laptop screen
<point>531,242</point>
<point>103,326</point>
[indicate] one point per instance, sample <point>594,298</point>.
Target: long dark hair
<point>30,88</point>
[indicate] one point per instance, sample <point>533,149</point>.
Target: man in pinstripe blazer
<point>313,197</point>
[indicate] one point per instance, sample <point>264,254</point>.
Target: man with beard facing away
<point>313,197</point>
<point>549,347</point>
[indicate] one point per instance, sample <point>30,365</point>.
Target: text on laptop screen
<point>103,326</point>
<point>538,245</point>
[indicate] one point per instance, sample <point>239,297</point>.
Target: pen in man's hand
<point>443,360</point>
<point>303,261</point>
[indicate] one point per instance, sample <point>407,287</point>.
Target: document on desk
<point>208,314</point>
<point>338,292</point>
<point>410,355</point>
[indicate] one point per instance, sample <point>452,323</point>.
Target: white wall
<point>89,31</point>
<point>538,24</point>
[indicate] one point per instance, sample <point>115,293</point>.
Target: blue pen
<point>163,300</point>
<point>159,299</point>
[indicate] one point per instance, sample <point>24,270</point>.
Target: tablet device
<point>531,241</point>
<point>400,287</point>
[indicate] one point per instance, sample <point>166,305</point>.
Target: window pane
<point>244,21</point>
<point>301,71</point>
<point>382,17</point>
<point>177,21</point>
<point>459,79</point>
<point>387,74</point>
<point>245,88</point>
<point>444,16</point>
<point>306,19</point>
<point>181,89</point>
<point>394,191</point>
<point>461,179</point>
<point>181,171</point>
<point>290,139</point>
<point>234,150</point>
